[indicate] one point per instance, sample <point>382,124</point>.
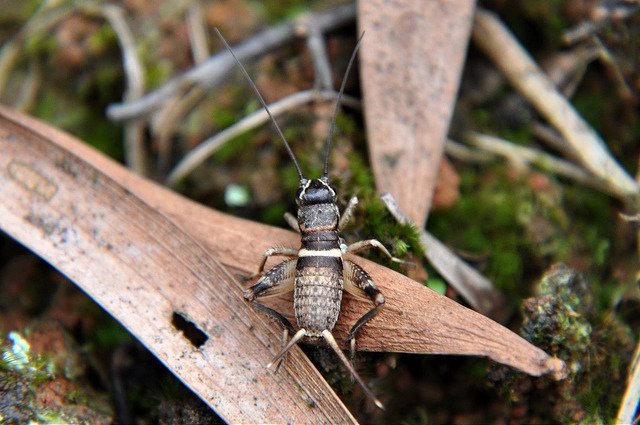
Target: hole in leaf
<point>190,330</point>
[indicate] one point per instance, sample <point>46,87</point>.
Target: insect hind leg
<point>358,283</point>
<point>328,337</point>
<point>278,280</point>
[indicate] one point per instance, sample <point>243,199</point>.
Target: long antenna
<point>335,110</point>
<point>264,104</point>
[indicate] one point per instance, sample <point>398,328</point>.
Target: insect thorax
<point>317,209</point>
<point>318,217</point>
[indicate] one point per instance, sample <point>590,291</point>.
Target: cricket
<point>317,272</point>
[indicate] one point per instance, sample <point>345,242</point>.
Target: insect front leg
<point>278,280</point>
<point>287,252</point>
<point>292,221</point>
<point>347,213</point>
<point>358,283</point>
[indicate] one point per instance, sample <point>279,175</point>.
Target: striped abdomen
<point>319,281</point>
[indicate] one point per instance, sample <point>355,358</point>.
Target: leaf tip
<point>556,367</point>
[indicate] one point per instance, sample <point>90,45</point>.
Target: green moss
<point>103,38</point>
<point>223,117</point>
<point>108,333</point>
<point>17,357</point>
<point>372,220</point>
<point>280,10</point>
<point>73,115</point>
<point>485,222</point>
<point>235,146</point>
<point>561,320</point>
<point>273,214</point>
<point>437,284</point>
<point>40,44</point>
<point>512,227</point>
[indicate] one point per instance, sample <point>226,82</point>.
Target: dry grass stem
<point>502,47</point>
<point>610,62</point>
<point>522,155</point>
<point>208,147</point>
<point>197,32</point>
<point>218,67</point>
<point>553,139</point>
<point>464,153</point>
<point>30,88</point>
<point>165,122</point>
<point>318,50</point>
<point>601,15</point>
<point>42,20</point>
<point>135,155</point>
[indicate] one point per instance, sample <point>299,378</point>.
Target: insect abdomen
<point>319,281</point>
<point>318,293</point>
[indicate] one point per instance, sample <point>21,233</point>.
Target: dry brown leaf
<point>411,60</point>
<point>144,252</point>
<point>62,200</point>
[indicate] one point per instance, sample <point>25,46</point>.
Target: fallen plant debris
<point>64,231</point>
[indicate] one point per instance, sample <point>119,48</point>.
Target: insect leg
<point>287,252</point>
<point>358,283</point>
<point>278,280</point>
<point>373,243</point>
<point>334,346</point>
<point>348,212</point>
<point>278,358</point>
<point>292,221</point>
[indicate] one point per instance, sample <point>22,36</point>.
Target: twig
<point>42,20</point>
<point>165,122</point>
<point>630,218</point>
<point>135,155</point>
<point>551,138</point>
<point>197,32</point>
<point>567,69</point>
<point>499,44</point>
<point>171,115</point>
<point>526,155</point>
<point>205,149</point>
<point>601,14</point>
<point>318,49</point>
<point>30,88</point>
<point>631,399</point>
<point>464,153</point>
<point>608,60</point>
<point>215,70</point>
<point>476,289</point>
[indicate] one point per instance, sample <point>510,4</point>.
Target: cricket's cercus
<point>317,273</point>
